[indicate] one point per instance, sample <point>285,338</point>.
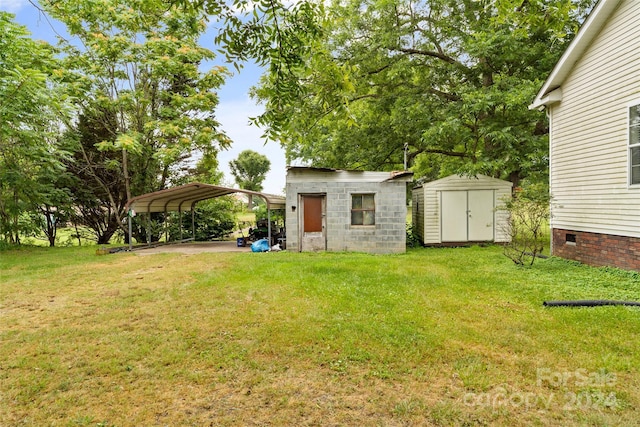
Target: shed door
<point>312,223</point>
<point>481,214</point>
<point>453,214</point>
<point>467,216</point>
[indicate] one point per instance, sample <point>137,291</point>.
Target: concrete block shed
<point>461,209</point>
<point>339,210</point>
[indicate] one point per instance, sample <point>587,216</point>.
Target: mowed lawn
<point>432,337</point>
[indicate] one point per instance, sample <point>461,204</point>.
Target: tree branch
<point>430,53</point>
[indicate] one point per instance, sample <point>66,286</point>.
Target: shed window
<point>634,144</point>
<point>363,209</point>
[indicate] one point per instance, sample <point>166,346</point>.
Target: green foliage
<point>260,211</point>
<point>94,175</point>
<point>213,219</point>
<point>250,169</point>
<point>32,104</point>
<point>276,34</point>
<point>146,105</point>
<point>527,224</point>
<point>413,239</point>
<point>452,79</point>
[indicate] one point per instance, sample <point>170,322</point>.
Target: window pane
<point>634,115</point>
<point>635,175</point>
<point>369,218</point>
<point>634,135</point>
<point>356,201</point>
<point>635,156</point>
<point>356,218</point>
<point>367,202</point>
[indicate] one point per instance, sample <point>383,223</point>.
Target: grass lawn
<point>431,337</point>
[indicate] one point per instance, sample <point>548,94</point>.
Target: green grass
<point>431,337</point>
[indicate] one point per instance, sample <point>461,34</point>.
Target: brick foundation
<point>597,249</point>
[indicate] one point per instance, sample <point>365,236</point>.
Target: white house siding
<point>589,154</point>
<point>430,207</point>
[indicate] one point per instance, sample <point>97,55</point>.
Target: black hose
<point>589,303</point>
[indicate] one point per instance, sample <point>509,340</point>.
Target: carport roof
<point>184,197</point>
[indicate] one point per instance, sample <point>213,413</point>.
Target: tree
<point>139,74</point>
<point>32,102</point>
<point>249,170</point>
<point>98,190</point>
<point>450,78</point>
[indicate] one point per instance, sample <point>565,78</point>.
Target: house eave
<point>589,30</point>
<point>552,97</point>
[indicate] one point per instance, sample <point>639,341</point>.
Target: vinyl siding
<point>589,154</point>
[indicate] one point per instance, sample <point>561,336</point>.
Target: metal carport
<point>185,197</point>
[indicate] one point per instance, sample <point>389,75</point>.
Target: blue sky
<point>233,112</point>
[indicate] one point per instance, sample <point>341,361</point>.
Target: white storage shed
<point>461,209</point>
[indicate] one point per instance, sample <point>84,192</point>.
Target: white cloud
<point>12,6</point>
<point>234,117</point>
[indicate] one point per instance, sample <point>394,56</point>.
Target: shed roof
<point>310,173</point>
<point>184,197</point>
<point>550,92</point>
<point>456,180</point>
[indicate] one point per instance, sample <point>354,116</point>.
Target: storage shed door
<point>453,216</point>
<point>467,216</point>
<point>481,213</point>
<point>313,227</point>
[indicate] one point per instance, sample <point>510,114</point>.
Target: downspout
<point>548,114</point>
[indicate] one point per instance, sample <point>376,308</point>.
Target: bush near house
<point>528,224</point>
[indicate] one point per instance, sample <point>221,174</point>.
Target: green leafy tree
<point>452,79</point>
<point>139,71</point>
<point>276,34</point>
<point>95,175</point>
<point>32,103</point>
<point>249,170</point>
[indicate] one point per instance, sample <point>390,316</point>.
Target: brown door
<point>313,237</point>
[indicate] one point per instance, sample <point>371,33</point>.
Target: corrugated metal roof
<point>184,197</point>
<point>347,175</point>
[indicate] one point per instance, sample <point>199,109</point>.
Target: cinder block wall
<point>388,235</point>
<point>597,249</point>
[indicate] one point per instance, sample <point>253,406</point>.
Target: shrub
<point>528,216</point>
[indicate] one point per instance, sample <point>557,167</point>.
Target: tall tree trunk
<point>125,171</point>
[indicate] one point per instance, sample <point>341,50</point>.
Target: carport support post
<point>149,228</point>
<point>193,221</point>
<point>269,223</point>
<point>180,221</point>
<point>166,226</point>
<point>130,231</point>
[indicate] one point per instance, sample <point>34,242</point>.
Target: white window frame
<point>630,145</point>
